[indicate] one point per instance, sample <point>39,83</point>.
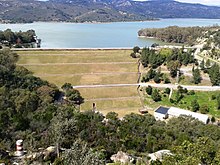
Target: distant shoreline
<point>89,22</point>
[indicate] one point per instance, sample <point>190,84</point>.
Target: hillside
<point>101,10</point>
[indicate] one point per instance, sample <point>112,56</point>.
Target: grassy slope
<point>122,100</point>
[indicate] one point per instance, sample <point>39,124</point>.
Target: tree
<point>214,74</point>
<point>156,95</point>
<point>151,74</point>
<point>195,105</point>
<point>136,49</point>
<point>166,79</point>
<point>179,96</point>
<point>133,55</point>
<point>196,76</point>
<point>157,78</point>
<point>202,65</point>
<point>67,86</point>
<point>202,151</point>
<point>167,91</point>
<point>81,154</point>
<point>74,96</point>
<point>149,90</point>
<point>63,128</point>
<point>173,67</point>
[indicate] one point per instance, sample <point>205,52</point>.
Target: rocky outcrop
<point>122,158</point>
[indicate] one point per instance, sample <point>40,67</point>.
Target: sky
<point>206,2</point>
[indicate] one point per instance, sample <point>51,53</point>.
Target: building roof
<point>173,111</point>
<point>162,110</point>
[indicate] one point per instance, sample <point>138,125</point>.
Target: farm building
<point>163,113</point>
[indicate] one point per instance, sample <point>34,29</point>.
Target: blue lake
<point>100,35</point>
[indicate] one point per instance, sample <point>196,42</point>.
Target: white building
<point>163,113</point>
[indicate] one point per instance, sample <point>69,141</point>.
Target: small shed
<point>161,113</point>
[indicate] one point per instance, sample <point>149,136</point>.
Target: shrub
<point>149,90</point>
<point>167,91</point>
<point>204,109</point>
<point>191,92</point>
<point>156,95</point>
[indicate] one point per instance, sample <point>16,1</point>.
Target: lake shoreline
<point>100,36</point>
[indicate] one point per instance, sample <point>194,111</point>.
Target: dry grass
<point>75,56</point>
<point>122,111</point>
<point>75,69</point>
<point>94,93</point>
<point>122,100</point>
<point>121,107</point>
<point>68,58</point>
<point>91,79</point>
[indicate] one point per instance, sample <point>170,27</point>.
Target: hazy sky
<point>206,2</point>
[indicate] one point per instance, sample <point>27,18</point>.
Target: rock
<point>159,155</point>
<point>122,157</point>
<point>50,153</point>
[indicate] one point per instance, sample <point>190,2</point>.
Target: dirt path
<point>174,86</point>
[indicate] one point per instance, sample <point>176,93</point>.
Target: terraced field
<point>90,67</point>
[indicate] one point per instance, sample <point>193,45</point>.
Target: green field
<point>203,98</point>
<point>90,67</point>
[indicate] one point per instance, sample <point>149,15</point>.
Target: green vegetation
<point>17,39</point>
<point>187,100</point>
<point>30,110</point>
<point>175,34</point>
<point>196,76</point>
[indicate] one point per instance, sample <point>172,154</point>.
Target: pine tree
<point>214,74</point>
<point>195,105</point>
<point>149,90</point>
<point>196,76</point>
<point>202,65</point>
<point>156,95</point>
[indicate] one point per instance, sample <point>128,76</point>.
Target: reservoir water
<point>100,35</point>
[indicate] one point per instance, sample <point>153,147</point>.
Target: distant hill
<point>101,10</point>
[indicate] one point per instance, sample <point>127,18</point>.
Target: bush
<point>156,95</point>
<point>204,109</point>
<point>172,101</point>
<point>195,105</point>
<point>191,92</point>
<point>167,91</point>
<point>157,79</point>
<point>213,119</point>
<point>145,79</point>
<point>149,90</point>
<point>133,55</point>
<point>167,80</point>
<point>136,49</point>
<point>213,97</point>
